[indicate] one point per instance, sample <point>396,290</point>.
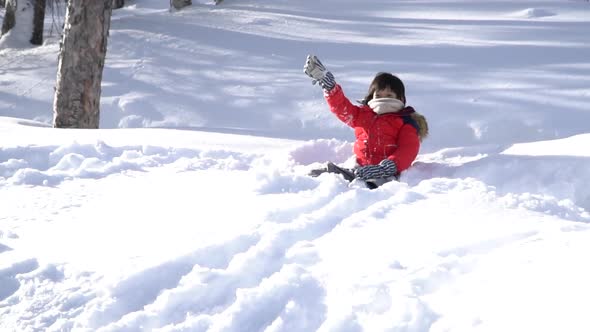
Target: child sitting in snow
<point>388,133</point>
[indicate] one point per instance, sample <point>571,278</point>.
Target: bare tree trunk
<point>118,4</point>
<point>2,3</point>
<point>9,16</point>
<point>81,62</point>
<point>179,4</point>
<point>25,18</point>
<point>38,21</point>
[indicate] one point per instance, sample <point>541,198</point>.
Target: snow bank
<point>556,180</point>
<point>50,165</point>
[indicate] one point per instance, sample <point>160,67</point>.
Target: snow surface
<point>190,210</point>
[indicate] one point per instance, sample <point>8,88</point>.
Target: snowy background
<point>190,209</point>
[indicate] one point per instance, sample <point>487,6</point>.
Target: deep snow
<point>209,222</point>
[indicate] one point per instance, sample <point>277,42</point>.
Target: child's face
<point>384,93</point>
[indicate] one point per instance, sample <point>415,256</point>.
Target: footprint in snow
<point>9,283</point>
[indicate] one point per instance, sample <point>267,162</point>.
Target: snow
<point>190,209</point>
<point>533,13</point>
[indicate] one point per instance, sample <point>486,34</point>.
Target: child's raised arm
<point>339,104</point>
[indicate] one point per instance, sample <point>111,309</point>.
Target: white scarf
<point>386,105</point>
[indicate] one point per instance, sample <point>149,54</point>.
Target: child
<point>388,133</point>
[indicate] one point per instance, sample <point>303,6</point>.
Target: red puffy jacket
<point>387,136</point>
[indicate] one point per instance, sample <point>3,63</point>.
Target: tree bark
<point>179,4</point>
<point>81,62</point>
<point>38,21</point>
<point>9,16</point>
<point>118,4</point>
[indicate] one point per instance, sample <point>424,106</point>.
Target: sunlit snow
<point>191,208</point>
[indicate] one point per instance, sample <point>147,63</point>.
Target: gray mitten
<point>318,73</point>
<point>385,169</point>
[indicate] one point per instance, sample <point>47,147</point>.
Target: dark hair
<point>385,80</point>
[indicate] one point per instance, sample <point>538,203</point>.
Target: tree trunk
<point>25,18</point>
<point>118,4</point>
<point>179,4</point>
<point>9,17</point>
<point>38,21</point>
<point>2,3</point>
<point>81,62</point>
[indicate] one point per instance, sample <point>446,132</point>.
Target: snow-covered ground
<point>190,210</point>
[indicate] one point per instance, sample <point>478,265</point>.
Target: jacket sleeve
<point>408,145</point>
<point>343,108</point>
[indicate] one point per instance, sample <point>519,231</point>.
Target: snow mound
<point>533,13</point>
<point>555,183</point>
<point>51,165</point>
<point>322,150</point>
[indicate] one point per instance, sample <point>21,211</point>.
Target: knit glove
<point>385,169</point>
<point>318,73</point>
